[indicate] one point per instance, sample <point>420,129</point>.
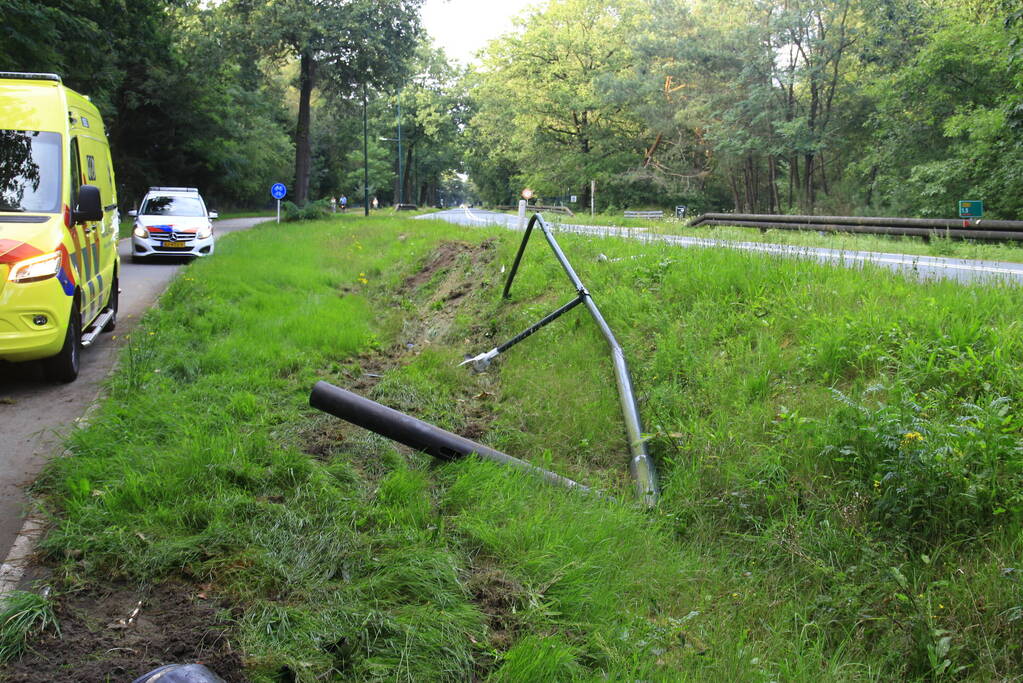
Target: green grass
<point>937,246</point>
<point>839,450</point>
<point>23,616</point>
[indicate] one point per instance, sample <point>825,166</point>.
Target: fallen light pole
<point>416,434</point>
<point>641,465</point>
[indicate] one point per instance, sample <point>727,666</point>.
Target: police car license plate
<point>174,244</point>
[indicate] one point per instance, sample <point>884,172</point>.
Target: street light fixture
<point>365,151</point>
<point>401,175</point>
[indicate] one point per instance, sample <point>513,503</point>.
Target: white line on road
<point>932,264</point>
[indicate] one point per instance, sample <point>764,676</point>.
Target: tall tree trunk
<point>824,174</point>
<point>793,178</point>
<point>870,186</point>
<point>774,202</point>
<point>303,150</point>
<point>808,195</point>
<point>749,182</point>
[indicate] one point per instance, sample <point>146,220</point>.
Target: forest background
<point>884,107</point>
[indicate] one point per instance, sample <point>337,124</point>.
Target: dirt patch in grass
<point>99,639</point>
<point>498,596</point>
<point>453,271</point>
<point>443,257</point>
<point>448,280</point>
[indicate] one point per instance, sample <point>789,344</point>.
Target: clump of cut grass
<point>23,616</point>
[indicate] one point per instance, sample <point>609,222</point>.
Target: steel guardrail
<point>959,229</point>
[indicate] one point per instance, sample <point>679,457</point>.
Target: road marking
<point>821,254</point>
<point>20,555</point>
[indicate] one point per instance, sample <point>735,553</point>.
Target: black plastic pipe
<point>641,465</point>
<point>416,434</point>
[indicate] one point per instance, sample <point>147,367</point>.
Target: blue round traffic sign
<point>278,190</point>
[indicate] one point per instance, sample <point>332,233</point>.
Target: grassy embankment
<point>936,246</point>
<point>840,455</point>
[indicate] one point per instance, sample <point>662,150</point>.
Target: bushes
<point>309,212</point>
<point>931,468</point>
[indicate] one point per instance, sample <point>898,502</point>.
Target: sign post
<point>278,191</point>
<point>970,208</point>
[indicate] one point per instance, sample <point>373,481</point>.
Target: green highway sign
<point>971,208</point>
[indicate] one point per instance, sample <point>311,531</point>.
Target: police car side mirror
<point>214,214</point>
<point>133,213</point>
<point>89,206</point>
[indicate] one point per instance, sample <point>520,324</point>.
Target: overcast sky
<point>462,27</point>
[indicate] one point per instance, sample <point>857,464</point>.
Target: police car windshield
<point>173,206</point>
<point>29,171</point>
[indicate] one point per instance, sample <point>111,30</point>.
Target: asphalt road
<point>35,415</point>
<point>923,267</point>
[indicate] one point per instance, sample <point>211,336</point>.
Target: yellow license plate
<point>175,244</point>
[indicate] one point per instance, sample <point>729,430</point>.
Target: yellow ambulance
<point>58,224</point>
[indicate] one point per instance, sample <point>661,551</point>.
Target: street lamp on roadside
<point>365,151</point>
<point>401,176</point>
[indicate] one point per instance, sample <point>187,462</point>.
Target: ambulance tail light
<point>67,216</point>
<point>36,268</point>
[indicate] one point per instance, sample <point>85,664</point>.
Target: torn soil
<point>438,290</point>
<point>102,637</point>
<point>451,273</point>
<point>121,634</point>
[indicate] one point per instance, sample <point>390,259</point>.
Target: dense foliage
<point>208,94</point>
<point>828,106</point>
<point>891,107</point>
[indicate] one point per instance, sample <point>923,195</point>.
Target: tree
<point>51,36</point>
<point>551,85</point>
<point>433,113</point>
<point>340,46</point>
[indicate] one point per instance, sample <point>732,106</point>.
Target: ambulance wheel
<point>112,303</point>
<point>63,367</point>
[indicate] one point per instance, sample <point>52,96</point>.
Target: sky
<point>462,27</point>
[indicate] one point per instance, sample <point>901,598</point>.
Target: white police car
<point>172,221</point>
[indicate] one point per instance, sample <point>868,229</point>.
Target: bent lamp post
<point>641,465</point>
<point>416,434</point>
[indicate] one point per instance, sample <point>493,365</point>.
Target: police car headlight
<point>35,268</point>
<point>141,232</point>
<point>203,233</point>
